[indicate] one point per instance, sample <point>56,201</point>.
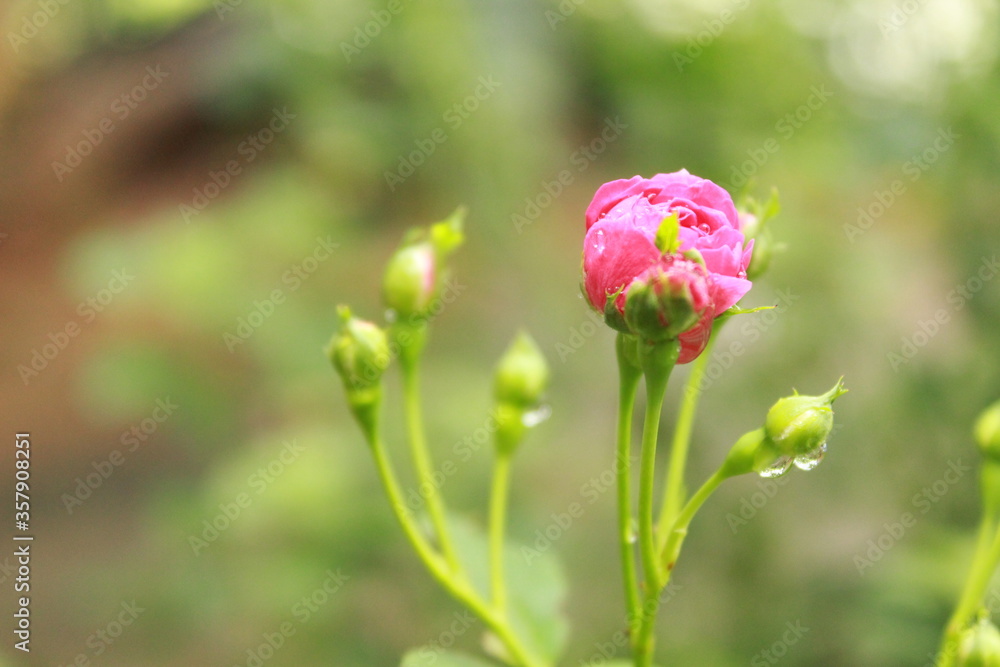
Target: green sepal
<point>612,317</point>
<point>447,235</point>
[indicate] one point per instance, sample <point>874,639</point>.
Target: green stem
<point>628,385</point>
<point>414,337</point>
<point>454,583</point>
<point>657,361</point>
<point>675,540</point>
<point>644,643</point>
<point>655,390</point>
<point>674,493</point>
<point>984,563</point>
<point>498,513</point>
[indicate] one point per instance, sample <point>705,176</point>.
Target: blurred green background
<point>191,187</point>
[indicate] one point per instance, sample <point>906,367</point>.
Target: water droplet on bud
<point>778,468</point>
<point>536,416</point>
<point>812,459</point>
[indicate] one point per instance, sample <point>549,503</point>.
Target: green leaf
<point>536,587</point>
<point>668,235</point>
<point>425,656</point>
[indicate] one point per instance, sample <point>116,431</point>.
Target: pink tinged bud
<point>668,299</point>
<point>409,282</point>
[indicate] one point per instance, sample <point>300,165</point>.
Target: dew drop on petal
<point>536,416</point>
<point>778,468</point>
<point>703,226</point>
<point>812,459</point>
<point>599,240</point>
<point>742,274</point>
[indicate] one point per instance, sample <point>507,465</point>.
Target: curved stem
<point>674,492</point>
<point>627,387</point>
<point>409,363</point>
<point>455,584</point>
<point>984,563</point>
<point>498,513</point>
<point>675,540</point>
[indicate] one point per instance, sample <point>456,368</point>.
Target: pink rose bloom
<point>620,245</point>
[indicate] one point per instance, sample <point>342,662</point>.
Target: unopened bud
<point>360,354</point>
<point>409,283</point>
<point>667,299</point>
<point>798,425</point>
<point>416,271</point>
<point>987,432</point>
<point>522,374</point>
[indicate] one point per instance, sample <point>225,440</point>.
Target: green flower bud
<point>754,216</point>
<point>980,646</point>
<point>799,425</point>
<point>409,283</point>
<point>360,354</point>
<point>522,374</point>
<point>667,299</point>
<point>416,271</point>
<point>987,432</point>
<point>745,455</point>
<point>763,251</point>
